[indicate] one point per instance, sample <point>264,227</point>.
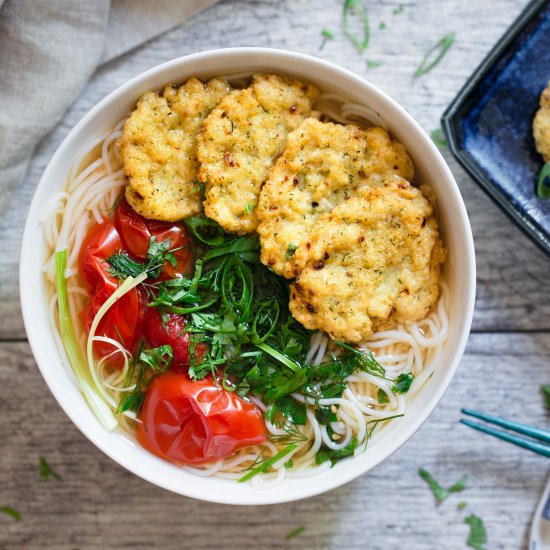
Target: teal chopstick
<point>530,445</point>
<point>537,433</point>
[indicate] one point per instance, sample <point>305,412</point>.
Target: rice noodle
<point>96,179</point>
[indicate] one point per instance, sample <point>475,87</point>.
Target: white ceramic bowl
<point>430,166</point>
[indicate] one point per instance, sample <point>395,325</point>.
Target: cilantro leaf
<point>477,538</point>
<point>441,493</point>
<point>159,359</point>
<point>325,454</point>
<point>403,383</point>
<point>46,471</point>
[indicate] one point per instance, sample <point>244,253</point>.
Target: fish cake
<point>322,165</point>
<point>373,262</point>
<point>240,141</point>
<point>541,125</point>
<point>158,149</point>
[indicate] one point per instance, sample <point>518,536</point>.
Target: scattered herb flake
<point>438,138</point>
<point>373,64</point>
<point>290,251</point>
<point>11,512</point>
<point>46,471</point>
<point>461,505</point>
<point>327,35</point>
<point>435,54</point>
<point>249,208</point>
<point>403,383</point>
<point>295,533</point>
<point>441,493</point>
<point>543,182</point>
<point>381,25</point>
<point>477,537</point>
<point>398,9</point>
<point>355,7</point>
<point>382,396</point>
<point>545,389</point>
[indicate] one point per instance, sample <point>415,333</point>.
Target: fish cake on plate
<point>241,140</point>
<point>372,262</point>
<point>158,149</point>
<point>541,125</point>
<point>322,165</point>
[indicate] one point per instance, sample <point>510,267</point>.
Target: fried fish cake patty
<point>240,141</point>
<point>541,125</point>
<point>372,262</point>
<point>158,149</point>
<point>322,165</point>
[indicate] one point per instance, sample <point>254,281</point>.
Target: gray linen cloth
<point>48,51</point>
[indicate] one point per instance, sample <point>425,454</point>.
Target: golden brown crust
<point>158,149</point>
<point>241,140</point>
<point>322,165</point>
<point>541,125</point>
<point>371,263</point>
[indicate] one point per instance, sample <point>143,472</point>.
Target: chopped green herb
<point>266,464</point>
<point>11,512</point>
<point>477,537</point>
<point>461,505</point>
<point>289,464</point>
<point>382,396</point>
<point>46,471</point>
<point>438,138</point>
<point>398,9</point>
<point>435,54</point>
<point>543,182</point>
<point>545,389</point>
<point>403,383</point>
<point>249,208</point>
<point>115,204</point>
<point>290,251</point>
<point>325,454</point>
<point>355,7</point>
<point>381,25</point>
<point>327,35</point>
<point>122,266</point>
<point>441,493</point>
<point>159,359</point>
<point>373,64</point>
<point>295,533</point>
<point>288,408</point>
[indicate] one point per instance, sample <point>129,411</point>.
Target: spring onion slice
<point>435,54</point>
<point>281,357</point>
<point>125,287</point>
<point>543,182</point>
<point>76,358</point>
<point>265,466</point>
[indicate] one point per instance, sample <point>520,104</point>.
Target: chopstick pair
<point>540,442</point>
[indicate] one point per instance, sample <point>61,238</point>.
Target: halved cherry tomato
<point>171,332</point>
<point>135,232</point>
<point>190,422</point>
<point>124,320</point>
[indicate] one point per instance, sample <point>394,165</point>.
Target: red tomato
<point>192,422</point>
<point>124,320</point>
<point>135,232</point>
<point>172,333</point>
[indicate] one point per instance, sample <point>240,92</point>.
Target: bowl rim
<point>258,496</point>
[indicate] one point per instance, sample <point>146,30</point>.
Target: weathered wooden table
<point>99,505</point>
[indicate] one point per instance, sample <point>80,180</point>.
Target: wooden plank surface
<point>99,505</point>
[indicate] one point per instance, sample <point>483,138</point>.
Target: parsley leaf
<point>46,471</point>
<point>159,359</point>
<point>325,454</point>
<point>441,493</point>
<point>477,537</point>
<point>11,512</point>
<point>382,396</point>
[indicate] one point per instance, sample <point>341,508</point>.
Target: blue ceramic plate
<point>489,124</point>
